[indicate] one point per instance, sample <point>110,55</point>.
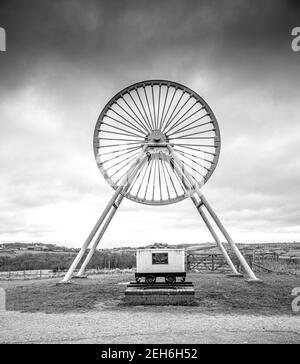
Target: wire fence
<point>272,263</point>
<point>49,273</point>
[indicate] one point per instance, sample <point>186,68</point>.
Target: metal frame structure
<point>157,142</point>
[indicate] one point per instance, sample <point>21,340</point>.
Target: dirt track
<point>143,325</point>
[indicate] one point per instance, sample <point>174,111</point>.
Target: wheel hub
<point>156,136</point>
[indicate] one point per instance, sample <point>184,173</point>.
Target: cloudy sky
<point>66,59</point>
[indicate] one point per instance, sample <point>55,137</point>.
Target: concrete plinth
<point>61,283</point>
<point>254,281</point>
<point>160,294</point>
<point>80,277</point>
<point>232,275</point>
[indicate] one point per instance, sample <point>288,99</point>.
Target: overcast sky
<point>66,59</point>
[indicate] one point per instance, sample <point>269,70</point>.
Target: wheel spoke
<point>131,158</point>
<point>116,127</point>
<point>195,121</point>
<point>154,116</point>
<point>143,177</point>
<point>170,117</point>
<point>177,177</point>
<point>140,124</point>
<point>139,110</point>
<point>120,178</point>
<point>152,123</point>
<point>118,156</point>
<point>116,145</point>
<point>148,181</point>
<point>162,114</point>
<point>195,145</point>
<point>170,103</point>
<point>120,150</point>
<point>165,179</point>
<point>174,116</point>
<point>127,121</point>
<point>192,168</point>
<point>193,155</point>
<point>193,127</point>
<point>180,120</point>
<point>124,140</point>
<point>158,106</point>
<point>120,122</point>
<point>154,177</point>
<point>159,179</point>
<point>200,132</point>
<point>136,178</point>
<point>117,133</point>
<point>187,146</point>
<point>171,179</point>
<point>192,160</point>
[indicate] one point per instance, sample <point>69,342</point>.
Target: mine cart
<point>167,263</point>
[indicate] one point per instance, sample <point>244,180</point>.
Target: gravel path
<point>142,325</point>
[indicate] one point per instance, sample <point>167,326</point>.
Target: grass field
<point>214,293</point>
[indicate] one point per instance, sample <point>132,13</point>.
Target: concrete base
<point>61,283</point>
<point>253,281</point>
<point>80,277</point>
<point>234,275</point>
<point>160,294</point>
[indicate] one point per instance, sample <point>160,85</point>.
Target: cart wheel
<point>170,278</point>
<point>182,279</point>
<point>150,279</point>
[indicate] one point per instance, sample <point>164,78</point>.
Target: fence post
<point>250,260</point>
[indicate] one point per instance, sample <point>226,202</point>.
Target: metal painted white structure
<point>175,262</point>
<point>157,142</point>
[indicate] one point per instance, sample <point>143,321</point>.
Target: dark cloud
<point>66,58</point>
<point>110,37</point>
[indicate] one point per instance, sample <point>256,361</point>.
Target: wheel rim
<point>170,279</point>
<point>150,279</point>
<point>157,113</point>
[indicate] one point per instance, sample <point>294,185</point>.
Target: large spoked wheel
<point>158,114</point>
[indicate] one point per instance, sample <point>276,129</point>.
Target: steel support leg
<point>129,176</point>
<point>215,236</point>
<point>209,226</point>
<point>184,174</point>
<point>228,238</point>
<point>99,237</point>
<point>105,226</point>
